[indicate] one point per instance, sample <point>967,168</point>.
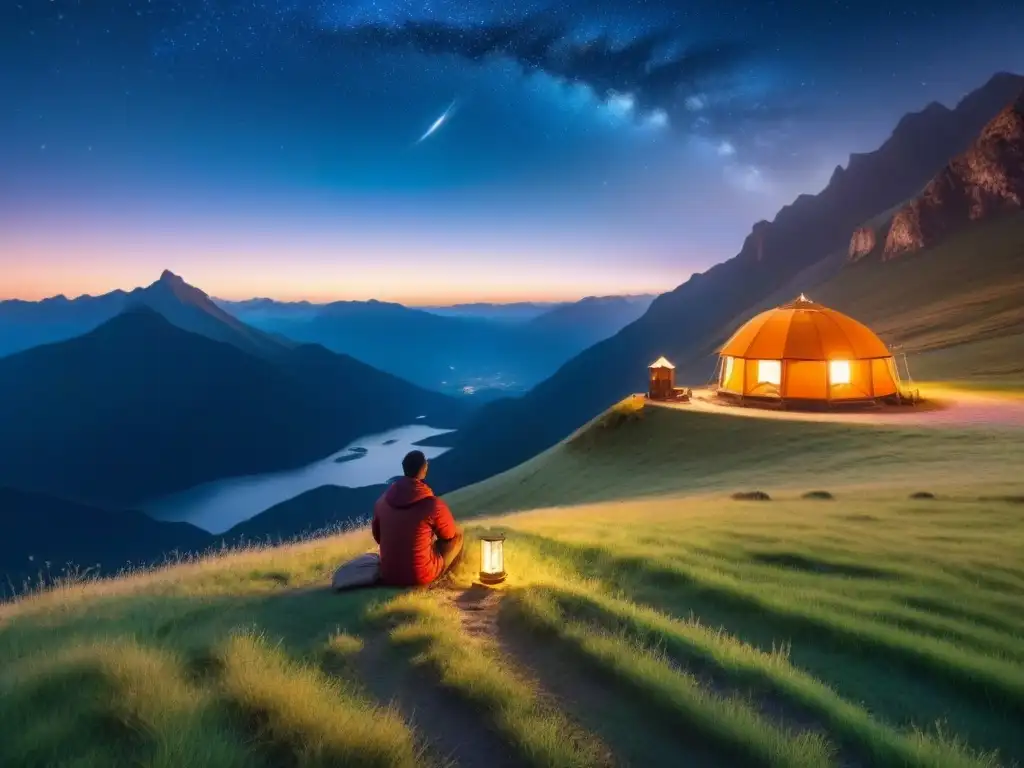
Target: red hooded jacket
<point>405,521</point>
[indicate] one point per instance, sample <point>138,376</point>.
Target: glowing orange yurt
<point>803,351</point>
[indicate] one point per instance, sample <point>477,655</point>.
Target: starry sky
<point>276,147</point>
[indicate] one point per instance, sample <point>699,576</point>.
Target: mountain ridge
<point>182,304</point>
<point>985,180</point>
<point>138,408</point>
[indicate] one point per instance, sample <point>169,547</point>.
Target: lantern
<point>492,559</point>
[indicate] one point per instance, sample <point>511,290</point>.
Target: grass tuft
<point>298,715</point>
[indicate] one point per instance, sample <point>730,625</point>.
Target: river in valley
<point>218,505</point>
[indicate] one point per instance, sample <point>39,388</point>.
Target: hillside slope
<point>656,620</point>
<point>680,323</point>
<point>329,507</point>
<point>43,535</point>
<point>139,408</point>
<point>590,320</point>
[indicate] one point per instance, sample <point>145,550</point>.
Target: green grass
<point>653,452</point>
<point>731,723</point>
<point>955,307</point>
<point>871,629</point>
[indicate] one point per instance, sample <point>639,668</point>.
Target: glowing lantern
<point>492,559</point>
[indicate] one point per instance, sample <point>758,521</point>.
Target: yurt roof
<point>661,362</point>
<point>804,330</point>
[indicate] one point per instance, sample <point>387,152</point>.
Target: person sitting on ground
<point>406,520</point>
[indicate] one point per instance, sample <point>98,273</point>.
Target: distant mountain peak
<point>169,277</point>
<point>180,289</point>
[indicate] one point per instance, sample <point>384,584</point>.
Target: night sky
<point>272,147</point>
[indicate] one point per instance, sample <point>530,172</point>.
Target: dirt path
<point>964,409</point>
<point>455,733</point>
<point>480,609</point>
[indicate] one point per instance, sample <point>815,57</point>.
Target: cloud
<point>696,102</point>
<point>656,119</point>
<point>650,78</point>
<point>621,104</point>
<point>748,178</point>
<point>726,148</point>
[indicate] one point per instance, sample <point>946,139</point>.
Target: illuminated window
<point>727,370</point>
<point>769,372</point>
<point>839,371</point>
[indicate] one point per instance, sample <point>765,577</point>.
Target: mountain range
<point>810,236</point>
<point>464,351</point>
<point>138,408</point>
<point>25,324</point>
<point>515,312</point>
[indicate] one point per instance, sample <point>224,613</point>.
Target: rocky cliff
<point>986,180</point>
<point>862,243</point>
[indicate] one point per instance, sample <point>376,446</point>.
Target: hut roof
<point>804,330</point>
<point>661,362</point>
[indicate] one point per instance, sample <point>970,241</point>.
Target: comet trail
<point>438,123</point>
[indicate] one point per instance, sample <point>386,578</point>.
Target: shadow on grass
<point>75,702</point>
<point>596,698</point>
<point>799,562</point>
<point>902,682</point>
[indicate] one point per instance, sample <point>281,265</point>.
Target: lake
<point>218,505</point>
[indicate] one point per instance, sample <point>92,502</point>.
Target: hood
<point>406,491</point>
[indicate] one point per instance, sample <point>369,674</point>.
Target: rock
<point>984,181</point>
<point>862,243</point>
<point>751,496</point>
<point>922,495</point>
<point>822,495</point>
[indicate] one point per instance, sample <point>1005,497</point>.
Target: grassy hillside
<point>648,617</point>
<point>961,293</point>
<point>953,309</point>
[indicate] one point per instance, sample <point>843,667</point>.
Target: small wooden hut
<point>661,382</point>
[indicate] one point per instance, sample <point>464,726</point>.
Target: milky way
<point>605,144</point>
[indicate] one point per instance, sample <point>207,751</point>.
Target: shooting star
<point>436,125</point>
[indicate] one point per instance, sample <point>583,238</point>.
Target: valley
<point>222,504</point>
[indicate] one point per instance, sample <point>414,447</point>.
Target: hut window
<point>727,370</point>
<point>769,372</point>
<point>839,371</point>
